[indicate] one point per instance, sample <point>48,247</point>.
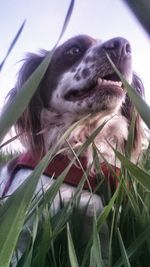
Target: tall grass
<point>53,239</point>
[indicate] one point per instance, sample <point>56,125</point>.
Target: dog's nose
<point>118,46</point>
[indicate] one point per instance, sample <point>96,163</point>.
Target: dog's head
<point>86,81</point>
<point>80,80</point>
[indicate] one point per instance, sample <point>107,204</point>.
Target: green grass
<point>54,240</point>
<point>47,239</point>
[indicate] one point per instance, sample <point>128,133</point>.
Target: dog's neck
<point>114,132</point>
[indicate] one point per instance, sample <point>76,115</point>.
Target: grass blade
<point>72,254</point>
<point>13,111</point>
<point>141,106</point>
<point>123,251</point>
<point>133,248</point>
<point>140,175</point>
<point>13,212</point>
<point>96,248</point>
<point>130,141</point>
<point>102,218</point>
<point>100,221</point>
<point>43,243</point>
<point>28,259</point>
<point>12,44</point>
<point>141,10</point>
<point>67,19</point>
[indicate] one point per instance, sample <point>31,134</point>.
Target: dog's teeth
<point>99,81</point>
<point>108,82</point>
<point>120,84</point>
<point>105,82</point>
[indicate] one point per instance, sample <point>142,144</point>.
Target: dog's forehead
<point>85,39</point>
<point>81,40</point>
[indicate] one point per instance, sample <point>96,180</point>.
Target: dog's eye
<point>73,51</point>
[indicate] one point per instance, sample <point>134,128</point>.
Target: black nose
<point>118,46</point>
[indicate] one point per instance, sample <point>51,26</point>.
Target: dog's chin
<point>93,92</point>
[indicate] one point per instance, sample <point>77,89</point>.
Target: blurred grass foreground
<point>48,239</point>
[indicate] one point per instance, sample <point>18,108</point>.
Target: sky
<point>44,19</point>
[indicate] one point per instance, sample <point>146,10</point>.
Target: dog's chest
<point>114,133</point>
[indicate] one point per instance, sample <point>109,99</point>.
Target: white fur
<point>111,133</point>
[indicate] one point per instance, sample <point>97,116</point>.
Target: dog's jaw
<point>84,100</point>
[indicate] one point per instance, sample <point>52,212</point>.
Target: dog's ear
<point>127,111</point>
<point>29,124</point>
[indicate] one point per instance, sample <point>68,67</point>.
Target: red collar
<point>57,166</point>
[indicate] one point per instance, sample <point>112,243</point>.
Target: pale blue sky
<point>100,19</point>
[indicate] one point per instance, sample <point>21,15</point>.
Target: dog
<point>79,82</point>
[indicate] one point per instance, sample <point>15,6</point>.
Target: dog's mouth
<point>111,82</point>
